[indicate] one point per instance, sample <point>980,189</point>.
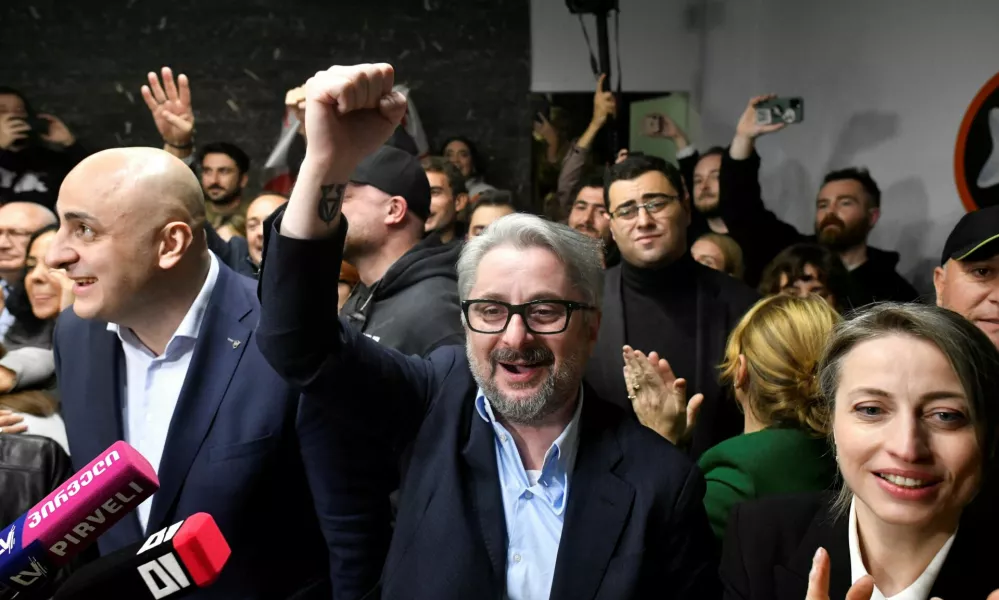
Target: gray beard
<point>533,410</point>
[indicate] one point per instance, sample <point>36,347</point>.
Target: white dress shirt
<point>153,383</point>
<point>920,588</point>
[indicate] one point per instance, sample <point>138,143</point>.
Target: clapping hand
<point>658,396</point>
<point>170,105</point>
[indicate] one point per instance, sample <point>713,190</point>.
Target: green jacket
<point>753,465</point>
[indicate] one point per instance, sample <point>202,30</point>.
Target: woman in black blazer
<point>912,401</point>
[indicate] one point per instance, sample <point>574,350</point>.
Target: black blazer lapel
<point>598,508</point>
<point>479,454</point>
<point>968,572</point>
<point>604,369</point>
<point>105,400</point>
<point>221,342</point>
<point>791,580</point>
<point>105,387</point>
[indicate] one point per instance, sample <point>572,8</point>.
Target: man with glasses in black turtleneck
<point>659,299</point>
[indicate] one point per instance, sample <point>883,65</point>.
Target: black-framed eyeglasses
<point>656,204</point>
<point>543,317</point>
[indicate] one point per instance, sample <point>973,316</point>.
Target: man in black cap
<point>967,280</point>
<point>407,298</point>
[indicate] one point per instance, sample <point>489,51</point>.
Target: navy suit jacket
<point>635,525</point>
<point>236,448</point>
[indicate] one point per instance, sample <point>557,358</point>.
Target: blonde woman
<point>770,363</point>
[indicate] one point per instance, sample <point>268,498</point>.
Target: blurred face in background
<point>589,214</point>
<point>971,289</point>
<point>12,104</point>
<point>842,217</point>
<point>256,214</point>
<point>221,179</point>
<point>18,220</point>
<point>482,216</point>
<point>444,206</point>
<point>811,283</point>
<point>44,287</point>
<point>709,254</point>
<point>706,185</point>
<point>904,438</point>
<point>460,156</point>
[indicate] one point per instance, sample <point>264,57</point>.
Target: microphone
<point>173,562</point>
<point>71,518</point>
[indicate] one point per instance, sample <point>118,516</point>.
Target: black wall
<point>467,62</point>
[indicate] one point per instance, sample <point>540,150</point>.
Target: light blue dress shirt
<point>533,504</point>
<point>153,383</point>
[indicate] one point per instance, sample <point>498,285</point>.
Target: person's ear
<point>175,239</point>
<point>245,179</point>
<point>396,210</point>
<point>873,215</point>
<point>742,373</point>
<point>939,283</point>
<point>460,202</point>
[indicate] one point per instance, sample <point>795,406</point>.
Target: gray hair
<point>969,351</point>
<point>581,255</point>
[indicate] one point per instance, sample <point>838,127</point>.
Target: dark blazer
<point>721,302</point>
<point>635,525</point>
<point>769,545</point>
<point>233,448</point>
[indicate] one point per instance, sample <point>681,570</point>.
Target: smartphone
<point>780,110</point>
<point>653,124</point>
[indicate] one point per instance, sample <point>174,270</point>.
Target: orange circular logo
<point>976,157</point>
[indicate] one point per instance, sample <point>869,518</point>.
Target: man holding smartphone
<point>36,152</point>
<point>847,207</point>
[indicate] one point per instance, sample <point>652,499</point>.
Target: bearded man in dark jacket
<point>407,298</point>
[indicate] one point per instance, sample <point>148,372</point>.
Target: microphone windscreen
<point>72,517</point>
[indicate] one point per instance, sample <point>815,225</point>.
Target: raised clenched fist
<point>349,113</point>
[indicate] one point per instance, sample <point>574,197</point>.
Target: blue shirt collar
<point>560,459</point>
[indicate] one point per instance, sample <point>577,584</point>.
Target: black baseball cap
<point>397,173</point>
<point>975,237</point>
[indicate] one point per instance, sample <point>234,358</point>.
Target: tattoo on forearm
<point>330,201</point>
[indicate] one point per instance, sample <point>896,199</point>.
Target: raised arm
<point>170,105</point>
<point>350,112</point>
<point>757,230</point>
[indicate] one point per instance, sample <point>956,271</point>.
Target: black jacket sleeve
<point>757,230</point>
<point>361,402</point>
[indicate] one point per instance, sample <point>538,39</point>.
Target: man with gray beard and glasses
<point>521,482</point>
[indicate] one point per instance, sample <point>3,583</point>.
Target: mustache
<point>832,220</point>
<point>533,356</point>
<point>586,227</point>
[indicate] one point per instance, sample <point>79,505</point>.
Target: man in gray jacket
<point>407,298</point>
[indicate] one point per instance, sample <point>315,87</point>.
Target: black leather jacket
<point>31,466</point>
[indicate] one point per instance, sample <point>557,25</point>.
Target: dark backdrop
<point>467,62</point>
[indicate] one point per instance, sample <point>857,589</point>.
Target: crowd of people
<point>667,392</point>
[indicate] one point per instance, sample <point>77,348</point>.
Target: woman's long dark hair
<point>17,301</point>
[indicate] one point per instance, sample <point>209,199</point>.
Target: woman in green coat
<point>770,362</point>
